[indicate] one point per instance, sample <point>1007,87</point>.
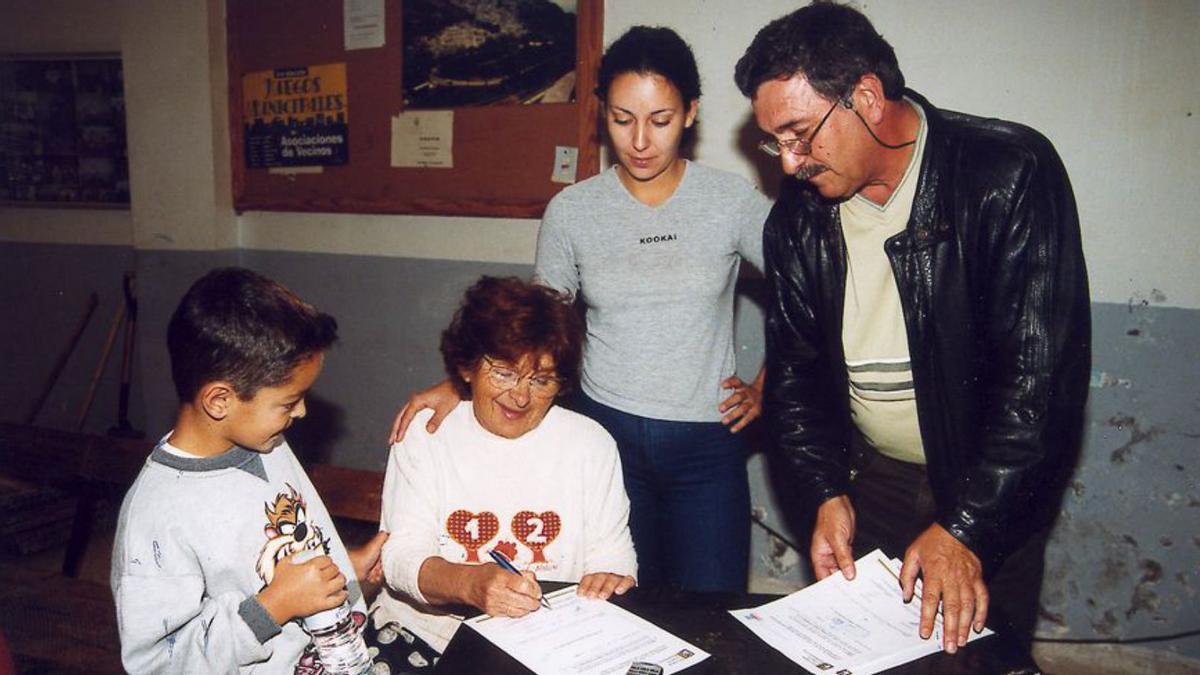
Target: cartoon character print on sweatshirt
<point>534,530</point>
<point>289,531</point>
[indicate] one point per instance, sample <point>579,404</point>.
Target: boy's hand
<point>601,585</point>
<point>366,559</point>
<point>303,589</point>
<point>501,593</point>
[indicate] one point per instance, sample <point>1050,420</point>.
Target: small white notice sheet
<point>423,138</point>
<point>362,24</point>
<point>585,637</point>
<point>854,627</point>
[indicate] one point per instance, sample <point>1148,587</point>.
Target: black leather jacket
<point>995,299</point>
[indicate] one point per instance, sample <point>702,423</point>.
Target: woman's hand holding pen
<point>501,593</point>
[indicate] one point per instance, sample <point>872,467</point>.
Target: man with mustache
<point>928,330</point>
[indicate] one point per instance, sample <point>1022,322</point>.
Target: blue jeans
<point>689,498</point>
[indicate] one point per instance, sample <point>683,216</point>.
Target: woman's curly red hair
<point>508,318</point>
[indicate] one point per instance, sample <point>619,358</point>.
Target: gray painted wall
<point>1122,563</point>
<point>1124,559</point>
<point>43,293</point>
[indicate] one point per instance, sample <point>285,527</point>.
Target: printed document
<point>362,24</point>
<point>845,627</point>
<point>585,637</point>
<point>423,139</point>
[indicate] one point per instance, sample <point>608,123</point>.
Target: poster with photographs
<point>460,53</point>
<point>62,132</point>
<point>296,116</point>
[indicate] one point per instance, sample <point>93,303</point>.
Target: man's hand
<point>832,534</point>
<point>743,406</point>
<point>601,585</point>
<point>368,566</point>
<point>952,575</point>
<point>441,398</point>
<point>303,589</point>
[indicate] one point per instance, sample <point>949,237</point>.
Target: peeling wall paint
<point>1101,379</point>
<point>1117,565</point>
<point>1137,436</point>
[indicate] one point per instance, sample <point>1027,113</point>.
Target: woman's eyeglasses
<point>505,378</point>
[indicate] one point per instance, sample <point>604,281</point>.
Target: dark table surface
<point>703,620</point>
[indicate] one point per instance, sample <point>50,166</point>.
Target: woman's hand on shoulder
<point>441,398</point>
<point>601,585</point>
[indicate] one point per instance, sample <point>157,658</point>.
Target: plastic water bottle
<point>338,641</point>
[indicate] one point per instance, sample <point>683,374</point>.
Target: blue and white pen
<point>506,564</point>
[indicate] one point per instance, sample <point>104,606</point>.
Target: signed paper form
<point>584,637</point>
<point>849,627</point>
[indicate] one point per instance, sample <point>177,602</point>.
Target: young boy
<point>202,571</point>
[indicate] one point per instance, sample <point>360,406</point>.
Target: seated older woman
<point>507,471</point>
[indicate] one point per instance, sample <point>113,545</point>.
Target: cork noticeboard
<point>503,154</point>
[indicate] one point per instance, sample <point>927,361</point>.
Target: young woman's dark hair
<point>507,318</point>
<point>831,45</point>
<point>650,50</point>
<point>241,327</point>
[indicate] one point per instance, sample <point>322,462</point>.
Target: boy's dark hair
<point>831,45</point>
<point>651,50</point>
<point>508,318</point>
<point>243,328</point>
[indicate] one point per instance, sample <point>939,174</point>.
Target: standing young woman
<point>653,246</point>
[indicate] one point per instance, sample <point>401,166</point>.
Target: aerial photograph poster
<point>460,53</point>
<point>296,116</point>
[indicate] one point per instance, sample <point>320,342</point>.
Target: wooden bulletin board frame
<point>503,154</point>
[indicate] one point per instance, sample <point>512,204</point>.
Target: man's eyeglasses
<point>505,378</point>
<point>803,146</point>
<point>796,146</point>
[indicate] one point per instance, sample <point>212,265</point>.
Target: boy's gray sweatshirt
<point>197,539</point>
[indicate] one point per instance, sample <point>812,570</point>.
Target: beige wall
<point>177,125</point>
<point>1108,82</point>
